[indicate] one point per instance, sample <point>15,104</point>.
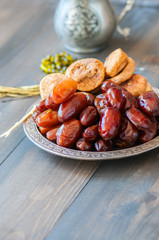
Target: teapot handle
<point>124,31</point>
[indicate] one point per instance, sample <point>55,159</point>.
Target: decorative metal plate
<point>38,139</point>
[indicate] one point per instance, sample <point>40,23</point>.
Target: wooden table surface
<point>48,197</point>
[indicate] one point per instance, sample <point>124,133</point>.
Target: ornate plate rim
<point>38,139</point>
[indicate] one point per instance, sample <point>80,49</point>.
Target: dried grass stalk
<point>7,133</point>
<point>25,91</point>
<point>19,91</point>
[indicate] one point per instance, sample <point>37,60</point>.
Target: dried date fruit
<point>91,133</point>
<point>108,84</point>
<point>51,134</point>
<point>88,116</point>
<point>128,132</point>
<point>49,103</point>
<point>101,103</point>
<point>122,144</point>
<point>90,98</point>
<point>83,145</point>
<point>41,106</point>
<point>129,99</point>
<point>69,133</point>
<point>102,146</point>
<point>73,106</point>
<point>115,98</point>
<point>47,119</point>
<point>139,119</point>
<point>63,90</point>
<point>148,134</point>
<point>148,102</point>
<point>43,130</point>
<point>109,123</point>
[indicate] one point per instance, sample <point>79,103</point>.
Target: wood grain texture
<point>22,51</point>
<point>36,189</point>
<point>121,201</point>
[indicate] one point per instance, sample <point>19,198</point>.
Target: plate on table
<point>32,132</point>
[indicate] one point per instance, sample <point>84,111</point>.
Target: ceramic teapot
<point>86,25</point>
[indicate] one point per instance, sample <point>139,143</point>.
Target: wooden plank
<point>143,39</point>
<point>16,66</point>
<point>36,188</point>
<point>142,44</point>
<point>121,201</point>
<point>12,22</point>
<point>11,112</point>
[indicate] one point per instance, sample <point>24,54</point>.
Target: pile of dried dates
<point>110,120</point>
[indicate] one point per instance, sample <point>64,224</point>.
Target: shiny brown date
<point>122,144</point>
<point>109,123</point>
<point>69,133</point>
<point>74,105</point>
<point>88,116</point>
<point>43,130</point>
<point>139,119</point>
<point>47,119</point>
<point>148,102</point>
<point>83,145</point>
<point>108,84</point>
<point>51,134</point>
<point>148,134</point>
<point>128,133</point>
<point>101,103</point>
<point>91,133</point>
<point>102,146</point>
<point>115,98</point>
<point>49,103</point>
<point>41,106</point>
<point>90,98</point>
<point>129,99</point>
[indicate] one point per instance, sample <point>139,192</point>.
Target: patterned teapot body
<point>84,25</point>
